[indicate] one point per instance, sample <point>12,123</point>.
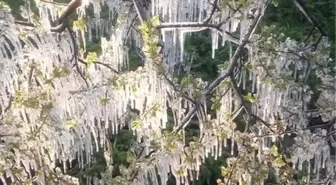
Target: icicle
<point>214,38</point>
<point>232,142</point>
<point>181,46</point>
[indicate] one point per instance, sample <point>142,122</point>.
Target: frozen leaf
<point>70,123</point>
<point>250,98</point>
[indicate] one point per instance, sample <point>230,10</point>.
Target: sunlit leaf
<point>137,124</point>
<point>250,98</point>
<point>70,123</point>
<point>91,58</point>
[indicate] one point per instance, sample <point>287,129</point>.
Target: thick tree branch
<point>70,8</point>
<point>63,20</point>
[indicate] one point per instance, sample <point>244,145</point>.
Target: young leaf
<point>250,98</point>
<point>91,58</point>
<point>70,123</point>
<point>137,124</point>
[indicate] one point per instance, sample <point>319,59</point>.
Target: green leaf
<point>216,104</point>
<point>222,135</point>
<point>91,58</point>
<point>274,150</point>
<point>155,108</point>
<point>224,171</point>
<point>185,82</point>
<point>275,3</point>
<point>155,20</point>
<point>137,124</point>
<point>70,123</point>
<point>79,24</point>
<point>250,98</point>
<point>129,157</point>
<point>3,4</point>
<point>279,162</point>
<point>223,66</point>
<point>143,28</point>
<point>248,66</point>
<point>225,84</point>
<point>33,103</point>
<point>104,101</point>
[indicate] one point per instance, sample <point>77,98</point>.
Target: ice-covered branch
<point>177,89</point>
<point>99,63</point>
<point>220,78</point>
<point>242,100</point>
<point>299,4</point>
<point>235,57</point>
<point>198,25</point>
<point>208,19</point>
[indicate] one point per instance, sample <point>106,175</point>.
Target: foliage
<point>159,106</point>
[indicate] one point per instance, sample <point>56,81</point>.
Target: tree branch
<point>242,101</point>
<point>75,54</point>
<point>207,20</point>
<point>230,36</point>
<point>70,8</point>
<point>138,11</point>
<point>99,63</point>
<point>177,89</point>
<point>220,78</point>
<point>299,4</point>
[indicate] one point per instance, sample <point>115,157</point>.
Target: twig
<point>54,3</point>
<point>75,54</point>
<point>99,63</point>
<point>129,28</point>
<point>234,60</point>
<point>87,89</point>
<point>199,25</point>
<point>207,20</point>
<point>220,78</point>
<point>24,23</point>
<point>138,12</point>
<point>176,89</point>
<point>231,172</point>
<point>299,4</point>
<point>242,101</point>
<point>9,104</point>
<point>187,118</point>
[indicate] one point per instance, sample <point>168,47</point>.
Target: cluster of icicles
<point>142,90</point>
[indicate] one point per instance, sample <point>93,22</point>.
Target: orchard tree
<point>271,108</point>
